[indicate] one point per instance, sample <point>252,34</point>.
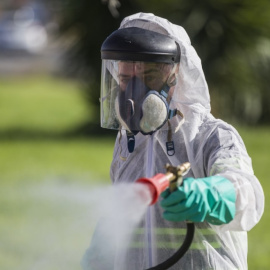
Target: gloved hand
<point>210,199</point>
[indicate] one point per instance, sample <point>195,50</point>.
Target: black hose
<point>180,252</point>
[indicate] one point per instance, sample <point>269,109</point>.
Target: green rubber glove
<point>210,199</point>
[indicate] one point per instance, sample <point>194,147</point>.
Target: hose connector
<point>176,174</point>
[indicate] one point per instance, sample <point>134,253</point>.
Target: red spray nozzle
<point>158,183</point>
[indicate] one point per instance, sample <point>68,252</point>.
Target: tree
<point>227,34</point>
<point>87,24</point>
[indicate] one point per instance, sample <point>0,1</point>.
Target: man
<point>154,91</point>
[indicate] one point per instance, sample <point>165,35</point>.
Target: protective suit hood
<point>191,96</point>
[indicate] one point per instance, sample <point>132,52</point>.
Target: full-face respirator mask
<point>137,81</point>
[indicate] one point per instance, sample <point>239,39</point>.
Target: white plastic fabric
<point>213,147</point>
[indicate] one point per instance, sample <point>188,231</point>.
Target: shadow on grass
<point>87,130</point>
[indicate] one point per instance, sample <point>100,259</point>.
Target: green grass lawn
<point>41,104</point>
<point>69,159</point>
<point>44,222</point>
<point>40,228</point>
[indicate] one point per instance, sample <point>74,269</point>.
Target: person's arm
<point>230,194</point>
<point>227,157</point>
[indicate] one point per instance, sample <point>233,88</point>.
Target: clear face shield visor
<point>135,95</point>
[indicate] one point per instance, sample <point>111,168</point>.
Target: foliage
<point>227,34</point>
<point>86,24</point>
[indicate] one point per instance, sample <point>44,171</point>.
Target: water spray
<point>172,179</point>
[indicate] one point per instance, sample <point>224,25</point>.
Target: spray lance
<point>173,178</point>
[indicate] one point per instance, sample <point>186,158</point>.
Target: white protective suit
<point>212,147</point>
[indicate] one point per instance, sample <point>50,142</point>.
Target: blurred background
<point>52,148</point>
